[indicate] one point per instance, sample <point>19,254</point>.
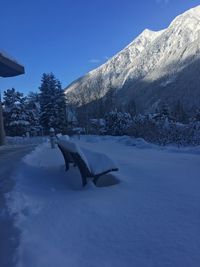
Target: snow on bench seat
<point>90,163</point>
<point>98,162</point>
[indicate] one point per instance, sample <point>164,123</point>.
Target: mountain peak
<point>152,57</point>
<point>189,18</point>
<point>194,11</point>
<point>148,31</point>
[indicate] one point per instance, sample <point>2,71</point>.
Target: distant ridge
<point>157,67</point>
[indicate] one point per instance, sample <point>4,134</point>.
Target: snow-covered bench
<point>91,164</point>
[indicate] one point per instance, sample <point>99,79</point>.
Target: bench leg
<point>66,166</point>
<point>95,180</point>
<point>84,180</point>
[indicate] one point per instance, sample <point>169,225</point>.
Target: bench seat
<point>90,163</point>
<point>98,162</point>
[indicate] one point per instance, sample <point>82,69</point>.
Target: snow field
<point>151,218</point>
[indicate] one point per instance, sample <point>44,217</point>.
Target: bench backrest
<point>77,155</point>
<point>67,157</point>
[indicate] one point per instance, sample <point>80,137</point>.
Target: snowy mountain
<point>156,68</point>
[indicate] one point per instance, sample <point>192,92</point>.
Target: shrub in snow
<point>117,123</point>
<point>163,130</point>
<point>97,126</point>
<point>145,126</point>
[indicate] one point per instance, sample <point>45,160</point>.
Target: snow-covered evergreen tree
<point>196,117</point>
<point>15,114</point>
<point>159,128</point>
<point>33,111</point>
<point>178,112</point>
<point>117,123</point>
<point>52,104</point>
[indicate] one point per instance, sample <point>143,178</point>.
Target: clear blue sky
<point>71,37</point>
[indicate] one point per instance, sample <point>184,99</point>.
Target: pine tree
<point>196,116</point>
<point>52,104</point>
<point>179,112</point>
<point>16,117</point>
<point>131,108</point>
<point>33,112</point>
<point>110,101</point>
<point>164,111</point>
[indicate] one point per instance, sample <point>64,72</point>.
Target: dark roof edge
<point>9,67</point>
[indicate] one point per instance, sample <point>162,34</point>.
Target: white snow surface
<point>150,218</point>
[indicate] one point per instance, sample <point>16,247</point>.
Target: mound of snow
<point>44,156</point>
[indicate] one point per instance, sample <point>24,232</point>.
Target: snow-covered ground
<point>25,140</point>
<point>10,158</point>
<point>150,218</point>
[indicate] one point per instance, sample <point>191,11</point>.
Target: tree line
<point>36,113</point>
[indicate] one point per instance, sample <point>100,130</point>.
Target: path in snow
<point>10,157</point>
